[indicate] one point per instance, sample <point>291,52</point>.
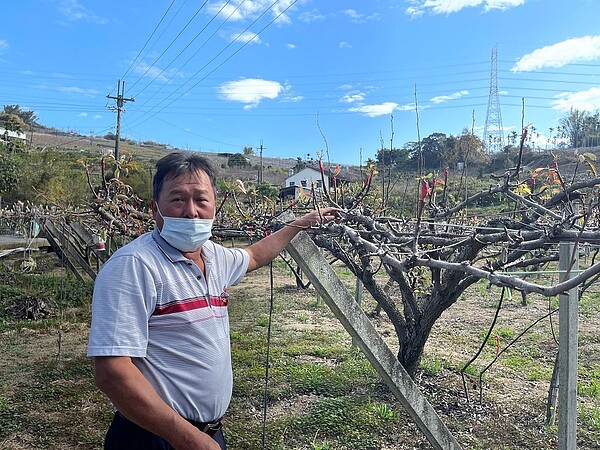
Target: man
<point>160,329</point>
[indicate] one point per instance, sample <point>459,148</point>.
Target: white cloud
<point>420,7</point>
<point>502,5</point>
<point>447,98</point>
<point>345,44</point>
<point>246,36</point>
<point>238,10</point>
<point>83,114</point>
<point>360,18</point>
<point>97,116</point>
<point>154,72</point>
<point>311,16</point>
<point>584,100</point>
<point>289,96</point>
<point>75,12</point>
<point>78,91</point>
<point>292,99</point>
<point>250,91</point>
<point>376,110</point>
<point>353,97</point>
<point>290,46</point>
<point>3,45</point>
<point>585,48</point>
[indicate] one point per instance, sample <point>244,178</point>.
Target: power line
<point>171,43</point>
<point>148,40</point>
<point>196,52</point>
<point>222,51</point>
<point>162,33</point>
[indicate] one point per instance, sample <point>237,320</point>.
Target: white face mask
<point>185,235</point>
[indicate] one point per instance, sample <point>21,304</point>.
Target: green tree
<point>66,189</point>
<point>141,183</point>
<point>249,151</point>
<point>238,160</point>
<point>591,130</point>
<point>572,127</point>
<point>267,190</point>
<point>433,147</point>
<point>28,117</point>
<point>465,148</point>
<point>12,122</point>
<point>9,174</point>
<point>397,158</point>
<point>300,164</point>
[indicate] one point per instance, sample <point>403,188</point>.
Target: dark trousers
<point>123,434</point>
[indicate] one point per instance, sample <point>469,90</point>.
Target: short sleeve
<point>125,294</point>
<point>228,265</point>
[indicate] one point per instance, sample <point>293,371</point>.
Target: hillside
<point>275,170</point>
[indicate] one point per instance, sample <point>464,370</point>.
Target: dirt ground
<point>510,406</point>
<point>513,396</point>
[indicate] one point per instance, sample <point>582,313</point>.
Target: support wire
<point>267,362</point>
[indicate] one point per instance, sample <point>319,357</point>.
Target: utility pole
<point>120,102</point>
<point>260,170</point>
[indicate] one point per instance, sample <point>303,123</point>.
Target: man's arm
<point>267,249</point>
<point>137,400</point>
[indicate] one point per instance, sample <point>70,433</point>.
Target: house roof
<point>310,170</point>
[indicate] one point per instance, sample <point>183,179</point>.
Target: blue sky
<point>299,76</point>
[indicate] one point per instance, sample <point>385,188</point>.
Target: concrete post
<point>354,320</point>
<point>358,291</point>
<point>567,350</point>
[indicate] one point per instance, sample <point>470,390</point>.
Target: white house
<point>305,179</point>
<point>12,134</point>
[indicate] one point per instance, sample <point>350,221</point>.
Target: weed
<point>589,382</point>
<point>472,370</point>
<point>516,361</point>
<point>504,333</point>
<point>303,317</point>
<point>589,304</point>
<point>431,366</point>
<point>262,321</point>
<point>590,416</point>
<point>320,445</point>
<point>384,411</point>
<point>539,373</point>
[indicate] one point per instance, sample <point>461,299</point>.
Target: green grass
<point>44,406</point>
<point>322,393</point>
<point>432,366</point>
<point>589,304</point>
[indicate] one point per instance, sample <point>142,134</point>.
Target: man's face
<point>188,196</point>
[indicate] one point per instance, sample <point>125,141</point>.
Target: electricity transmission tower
<point>493,134</point>
<point>120,102</point>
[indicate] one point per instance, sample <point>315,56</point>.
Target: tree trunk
<point>411,349</point>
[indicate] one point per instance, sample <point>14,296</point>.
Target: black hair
<point>179,163</point>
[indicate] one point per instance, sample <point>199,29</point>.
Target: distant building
<point>304,180</point>
<point>4,133</point>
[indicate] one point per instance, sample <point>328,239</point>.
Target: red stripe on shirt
<point>188,305</point>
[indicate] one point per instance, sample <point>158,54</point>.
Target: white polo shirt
<point>154,305</point>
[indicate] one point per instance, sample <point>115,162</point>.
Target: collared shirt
<point>154,305</point>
